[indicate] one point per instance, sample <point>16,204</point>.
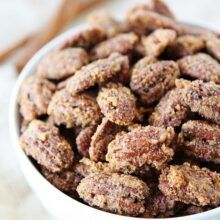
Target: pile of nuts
<point>125,116</point>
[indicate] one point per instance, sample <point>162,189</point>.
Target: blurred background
<point>26,25</point>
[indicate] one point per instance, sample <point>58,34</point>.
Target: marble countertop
<point>17,201</point>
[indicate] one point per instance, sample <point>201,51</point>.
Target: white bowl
<point>57,203</point>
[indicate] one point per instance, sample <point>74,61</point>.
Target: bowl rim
<point>21,156</point>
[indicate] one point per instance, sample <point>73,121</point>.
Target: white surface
<point>17,202</point>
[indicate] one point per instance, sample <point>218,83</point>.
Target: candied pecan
<point>103,20</point>
<point>145,19</point>
<point>85,38</point>
<point>121,43</point>
<point>130,152</point>
<point>97,72</point>
<point>66,181</point>
<point>201,140</point>
<point>117,103</point>
<point>86,167</point>
<point>154,80</point>
<point>142,63</point>
<point>200,66</point>
<point>160,7</point>
<point>213,46</point>
<point>156,43</point>
<point>60,64</point>
<point>117,193</point>
<point>72,111</point>
<point>83,140</point>
<point>171,110</point>
<point>203,98</point>
<point>44,143</point>
<point>159,205</point>
<point>191,184</point>
<point>34,97</point>
<point>184,46</point>
<point>104,134</point>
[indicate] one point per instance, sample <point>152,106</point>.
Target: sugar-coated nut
<point>156,43</point>
<point>83,140</point>
<point>97,72</point>
<point>171,110</point>
<point>200,139</point>
<point>191,185</point>
<point>140,148</point>
<point>86,167</point>
<point>117,103</point>
<point>213,45</point>
<point>34,97</point>
<point>121,43</point>
<point>103,135</point>
<point>117,193</point>
<point>66,181</point>
<point>74,110</point>
<point>103,20</point>
<point>44,143</point>
<point>60,64</point>
<point>85,38</point>
<point>200,66</point>
<point>154,80</point>
<point>144,18</point>
<point>203,98</point>
<point>185,45</point>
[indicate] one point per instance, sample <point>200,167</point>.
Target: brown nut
<point>145,19</point>
<point>66,181</point>
<point>72,111</point>
<point>203,98</point>
<point>34,97</point>
<point>83,140</point>
<point>185,45</point>
<point>85,38</point>
<point>162,8</point>
<point>60,64</point>
<point>139,148</point>
<point>201,140</point>
<point>171,110</point>
<point>104,134</point>
<point>200,66</point>
<point>213,45</point>
<point>103,20</point>
<point>122,43</point>
<point>159,205</point>
<point>117,193</point>
<point>154,80</point>
<point>156,43</point>
<point>86,167</point>
<point>98,72</point>
<point>43,142</point>
<point>191,184</point>
<point>117,103</point>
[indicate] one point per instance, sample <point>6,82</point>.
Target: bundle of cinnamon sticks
<point>29,45</point>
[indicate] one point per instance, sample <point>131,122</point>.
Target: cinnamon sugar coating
<point>200,66</point>
<point>44,143</point>
<point>60,64</point>
<point>201,139</point>
<point>103,135</point>
<point>203,98</point>
<point>140,148</point>
<point>122,43</point>
<point>117,193</point>
<point>191,184</point>
<point>154,80</point>
<point>97,72</point>
<point>34,97</point>
<point>71,111</point>
<point>117,103</point>
<point>156,43</point>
